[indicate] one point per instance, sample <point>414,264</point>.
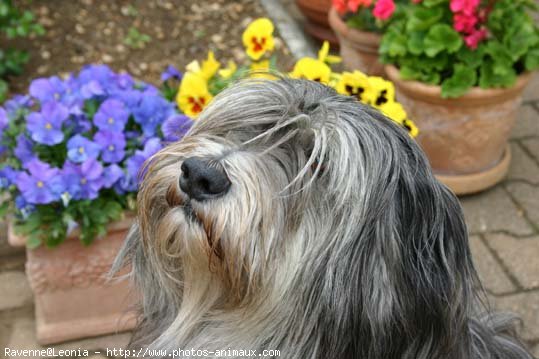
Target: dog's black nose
<point>202,179</point>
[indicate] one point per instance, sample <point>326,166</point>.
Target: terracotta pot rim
<point>432,93</point>
<point>16,240</point>
<point>366,38</point>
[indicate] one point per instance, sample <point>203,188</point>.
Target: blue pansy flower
<point>46,126</point>
<point>111,116</point>
<point>79,149</point>
<point>112,144</point>
<point>35,186</point>
<point>24,150</point>
<point>17,103</point>
<point>175,127</point>
<point>152,112</point>
<point>85,180</point>
<point>24,207</point>
<point>171,73</point>
<point>134,164</point>
<point>8,176</point>
<point>4,120</point>
<point>111,175</point>
<point>48,89</point>
<point>100,73</point>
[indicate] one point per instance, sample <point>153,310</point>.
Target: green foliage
<point>14,23</point>
<point>425,47</point>
<point>135,39</point>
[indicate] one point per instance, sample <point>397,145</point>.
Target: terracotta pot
<point>316,14</point>
<point>72,297</point>
<point>359,49</point>
<point>465,138</point>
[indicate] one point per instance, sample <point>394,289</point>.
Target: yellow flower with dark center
<point>260,70</point>
<point>382,92</point>
<point>229,71</point>
<point>324,56</point>
<point>207,70</point>
<point>193,95</point>
<point>258,38</point>
<point>411,127</point>
<point>311,69</point>
<point>354,84</point>
<point>394,111</point>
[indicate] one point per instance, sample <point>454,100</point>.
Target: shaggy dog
<point>291,218</point>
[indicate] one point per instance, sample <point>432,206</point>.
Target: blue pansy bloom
<point>24,207</point>
<point>48,89</point>
<point>8,176</point>
<point>100,73</point>
<point>112,144</point>
<point>111,175</point>
<point>46,126</point>
<point>35,186</point>
<point>91,89</point>
<point>79,149</point>
<point>24,150</point>
<point>176,126</point>
<point>130,182</point>
<point>124,81</point>
<point>111,116</point>
<point>4,120</point>
<point>16,103</point>
<point>131,98</point>
<point>151,112</point>
<point>78,124</point>
<point>84,181</point>
<point>171,73</point>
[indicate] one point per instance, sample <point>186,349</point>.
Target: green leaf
<point>393,44</point>
<point>531,61</point>
<point>3,90</point>
<point>33,241</point>
<point>430,3</point>
<point>416,43</point>
<point>442,37</point>
<point>460,82</point>
<point>488,78</point>
<point>471,58</point>
<point>423,18</point>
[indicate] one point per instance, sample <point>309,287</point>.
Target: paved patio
<point>503,224</point>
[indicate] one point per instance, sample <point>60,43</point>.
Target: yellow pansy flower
<point>207,70</point>
<point>355,84</point>
<point>311,69</point>
<point>411,127</point>
<point>324,56</point>
<point>258,38</point>
<point>193,95</point>
<point>260,70</point>
<point>227,72</point>
<point>382,92</point>
<point>394,111</point>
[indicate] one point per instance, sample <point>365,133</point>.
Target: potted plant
<point>72,149</point>
<point>359,25</point>
<point>460,68</point>
<point>316,15</point>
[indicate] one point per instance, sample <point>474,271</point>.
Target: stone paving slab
<point>528,197</point>
<point>520,256</point>
<point>523,167</point>
<point>14,290</point>
<point>493,210</point>
<point>532,90</point>
<point>527,123</point>
<point>490,272</point>
<point>526,306</point>
<point>532,145</point>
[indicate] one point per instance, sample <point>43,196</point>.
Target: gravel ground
<point>98,31</point>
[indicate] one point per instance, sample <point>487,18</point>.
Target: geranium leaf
<point>532,60</point>
<point>442,37</point>
<point>488,78</point>
<point>416,43</point>
<point>423,18</point>
<point>462,79</point>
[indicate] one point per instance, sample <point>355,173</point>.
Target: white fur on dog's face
<point>334,239</point>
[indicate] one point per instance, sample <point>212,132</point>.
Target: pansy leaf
<point>442,37</point>
<point>531,61</point>
<point>462,79</point>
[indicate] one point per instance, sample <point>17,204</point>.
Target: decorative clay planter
<point>359,49</point>
<point>316,14</point>
<point>464,138</point>
<point>72,296</point>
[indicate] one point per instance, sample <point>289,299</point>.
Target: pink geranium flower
<point>474,38</point>
<point>383,9</point>
<point>467,7</point>
<point>464,23</point>
<point>340,6</point>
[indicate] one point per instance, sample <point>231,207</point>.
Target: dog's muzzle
<point>202,180</point>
